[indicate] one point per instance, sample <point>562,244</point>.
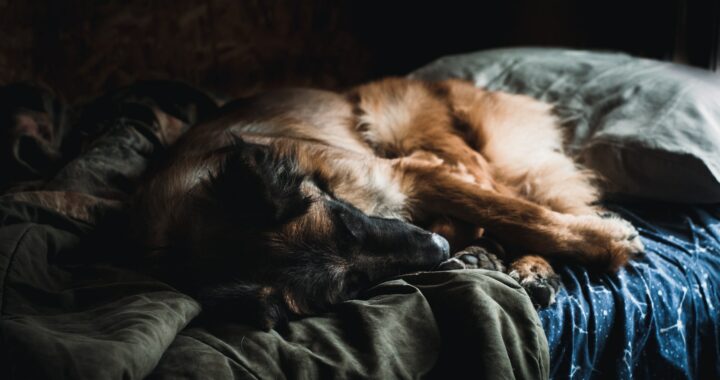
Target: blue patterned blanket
<point>657,318</point>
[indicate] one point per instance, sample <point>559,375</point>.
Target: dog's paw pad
<point>475,257</point>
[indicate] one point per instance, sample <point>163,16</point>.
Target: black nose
<point>442,244</point>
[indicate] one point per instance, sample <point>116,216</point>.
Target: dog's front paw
<point>606,241</point>
<point>538,279</point>
<point>627,233</point>
<point>473,257</point>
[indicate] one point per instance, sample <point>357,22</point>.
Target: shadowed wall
<point>232,48</point>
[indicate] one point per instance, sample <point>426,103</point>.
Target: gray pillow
<point>650,128</point>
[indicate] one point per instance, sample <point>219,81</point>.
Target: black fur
<point>256,186</point>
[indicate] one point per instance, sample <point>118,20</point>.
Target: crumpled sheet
<point>67,314</point>
<point>657,318</point>
<point>62,318</point>
<point>68,311</point>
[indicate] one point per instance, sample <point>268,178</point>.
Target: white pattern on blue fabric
<point>654,319</point>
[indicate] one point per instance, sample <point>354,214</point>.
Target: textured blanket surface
<point>658,317</point>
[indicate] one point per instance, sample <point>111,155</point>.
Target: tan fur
<point>523,188</point>
<point>445,155</point>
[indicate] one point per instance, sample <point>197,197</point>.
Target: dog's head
<point>265,240</point>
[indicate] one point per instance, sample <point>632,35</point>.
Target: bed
<point>70,308</point>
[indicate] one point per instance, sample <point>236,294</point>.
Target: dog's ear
<point>257,185</point>
<point>256,305</point>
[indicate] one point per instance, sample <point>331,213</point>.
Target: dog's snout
<point>441,243</point>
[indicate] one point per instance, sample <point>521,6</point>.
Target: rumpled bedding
<point>63,319</point>
<point>70,309</point>
<point>658,318</point>
<point>650,129</point>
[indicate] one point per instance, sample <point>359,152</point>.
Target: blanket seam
<point>7,270</point>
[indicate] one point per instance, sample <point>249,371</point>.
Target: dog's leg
<point>522,225</point>
<point>522,140</point>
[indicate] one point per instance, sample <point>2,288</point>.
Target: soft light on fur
<point>371,164</point>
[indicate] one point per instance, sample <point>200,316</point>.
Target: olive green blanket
<point>62,318</point>
<point>67,313</point>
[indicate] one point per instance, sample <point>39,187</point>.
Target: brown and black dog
<point>297,199</point>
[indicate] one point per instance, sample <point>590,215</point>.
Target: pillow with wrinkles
<point>651,129</point>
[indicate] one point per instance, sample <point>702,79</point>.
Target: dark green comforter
<point>66,313</point>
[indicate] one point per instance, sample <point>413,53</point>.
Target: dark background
<point>233,48</point>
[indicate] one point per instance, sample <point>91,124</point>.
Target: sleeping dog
<point>294,200</point>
